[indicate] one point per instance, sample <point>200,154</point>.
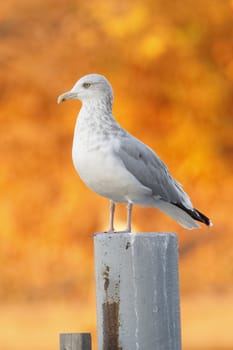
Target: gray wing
<point>150,171</point>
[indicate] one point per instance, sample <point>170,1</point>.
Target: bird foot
<point>110,231</point>
<point>114,231</point>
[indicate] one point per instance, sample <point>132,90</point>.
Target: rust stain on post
<point>106,278</point>
<point>110,309</point>
<point>111,326</point>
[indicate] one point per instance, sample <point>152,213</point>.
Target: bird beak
<point>69,95</point>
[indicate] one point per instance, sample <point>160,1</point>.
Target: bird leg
<point>129,215</point>
<point>112,211</point>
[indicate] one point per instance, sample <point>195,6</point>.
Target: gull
<point>116,165</point>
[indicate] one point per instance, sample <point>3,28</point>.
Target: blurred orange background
<point>171,67</point>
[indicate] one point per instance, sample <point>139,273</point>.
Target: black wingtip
<point>201,217</point>
<point>195,214</point>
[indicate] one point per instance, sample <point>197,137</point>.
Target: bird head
<point>89,87</point>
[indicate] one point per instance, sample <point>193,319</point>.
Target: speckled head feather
<point>89,87</point>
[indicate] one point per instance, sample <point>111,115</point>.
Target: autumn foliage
<point>171,67</point>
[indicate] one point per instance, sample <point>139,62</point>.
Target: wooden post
<point>137,291</point>
<point>75,341</point>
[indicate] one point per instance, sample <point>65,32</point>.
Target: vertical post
<point>75,341</point>
<point>137,291</point>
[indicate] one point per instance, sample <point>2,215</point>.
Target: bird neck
<point>97,111</point>
<point>95,120</point>
<point>95,124</point>
<point>103,104</point>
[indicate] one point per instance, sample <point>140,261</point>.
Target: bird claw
<point>124,231</point>
<point>110,231</point>
<point>114,231</point>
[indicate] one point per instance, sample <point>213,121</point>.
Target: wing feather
<point>150,170</point>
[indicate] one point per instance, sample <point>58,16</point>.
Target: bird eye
<point>86,85</point>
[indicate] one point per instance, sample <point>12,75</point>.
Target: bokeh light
<point>171,67</point>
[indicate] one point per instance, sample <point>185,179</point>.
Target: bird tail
<point>184,216</point>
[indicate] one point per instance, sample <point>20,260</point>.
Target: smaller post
<point>75,341</point>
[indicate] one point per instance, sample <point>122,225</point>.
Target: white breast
<point>94,157</point>
<point>105,174</point>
